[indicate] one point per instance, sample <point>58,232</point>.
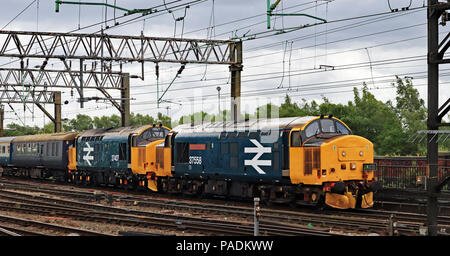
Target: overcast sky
<point>371,48</point>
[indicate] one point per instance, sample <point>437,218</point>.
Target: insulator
<point>181,69</point>
<point>444,18</point>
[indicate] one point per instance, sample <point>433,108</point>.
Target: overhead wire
<point>20,13</point>
<point>355,25</point>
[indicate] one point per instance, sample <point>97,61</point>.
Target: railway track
<point>48,228</point>
<point>372,221</point>
<point>32,204</point>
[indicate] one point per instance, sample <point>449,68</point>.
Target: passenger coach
<point>41,156</point>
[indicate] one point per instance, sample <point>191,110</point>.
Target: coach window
<point>295,139</point>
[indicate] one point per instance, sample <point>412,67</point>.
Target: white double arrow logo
<point>259,150</point>
<point>88,156</point>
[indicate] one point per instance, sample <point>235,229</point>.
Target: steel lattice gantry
<point>123,49</point>
<point>106,47</point>
<point>11,95</point>
<point>13,78</point>
<point>436,50</point>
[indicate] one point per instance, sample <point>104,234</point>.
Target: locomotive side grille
<point>312,160</point>
<point>160,157</point>
<point>316,157</point>
<point>308,161</point>
<point>141,157</point>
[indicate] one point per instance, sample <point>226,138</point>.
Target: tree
<point>139,119</point>
<point>164,120</point>
<point>377,122</point>
<point>411,111</point>
<point>19,130</point>
<point>81,123</point>
<point>49,128</point>
<point>266,111</point>
<point>113,121</point>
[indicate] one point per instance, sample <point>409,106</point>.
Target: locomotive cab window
<point>327,126</point>
<point>312,129</point>
<point>342,129</point>
<point>150,135</point>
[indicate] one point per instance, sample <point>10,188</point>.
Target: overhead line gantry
<point>106,49</point>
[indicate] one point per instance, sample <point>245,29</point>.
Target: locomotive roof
<point>6,139</point>
<point>46,137</point>
<point>249,125</point>
<point>115,132</point>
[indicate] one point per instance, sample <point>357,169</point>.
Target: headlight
<point>361,153</point>
<point>343,153</point>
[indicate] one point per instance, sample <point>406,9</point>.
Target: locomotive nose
<point>350,161</point>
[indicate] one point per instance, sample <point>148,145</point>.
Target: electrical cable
<point>20,13</point>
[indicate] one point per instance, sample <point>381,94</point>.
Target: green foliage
<point>377,122</point>
<point>411,111</point>
<point>164,120</point>
<point>84,122</point>
<point>18,130</point>
<point>139,119</point>
<point>81,123</point>
<point>107,121</point>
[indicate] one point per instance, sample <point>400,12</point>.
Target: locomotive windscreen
<point>149,135</point>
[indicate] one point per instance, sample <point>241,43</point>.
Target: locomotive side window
<point>234,160</point>
<point>122,151</point>
<point>224,148</point>
<point>234,146</point>
<point>167,141</point>
<point>295,139</point>
<point>182,152</point>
